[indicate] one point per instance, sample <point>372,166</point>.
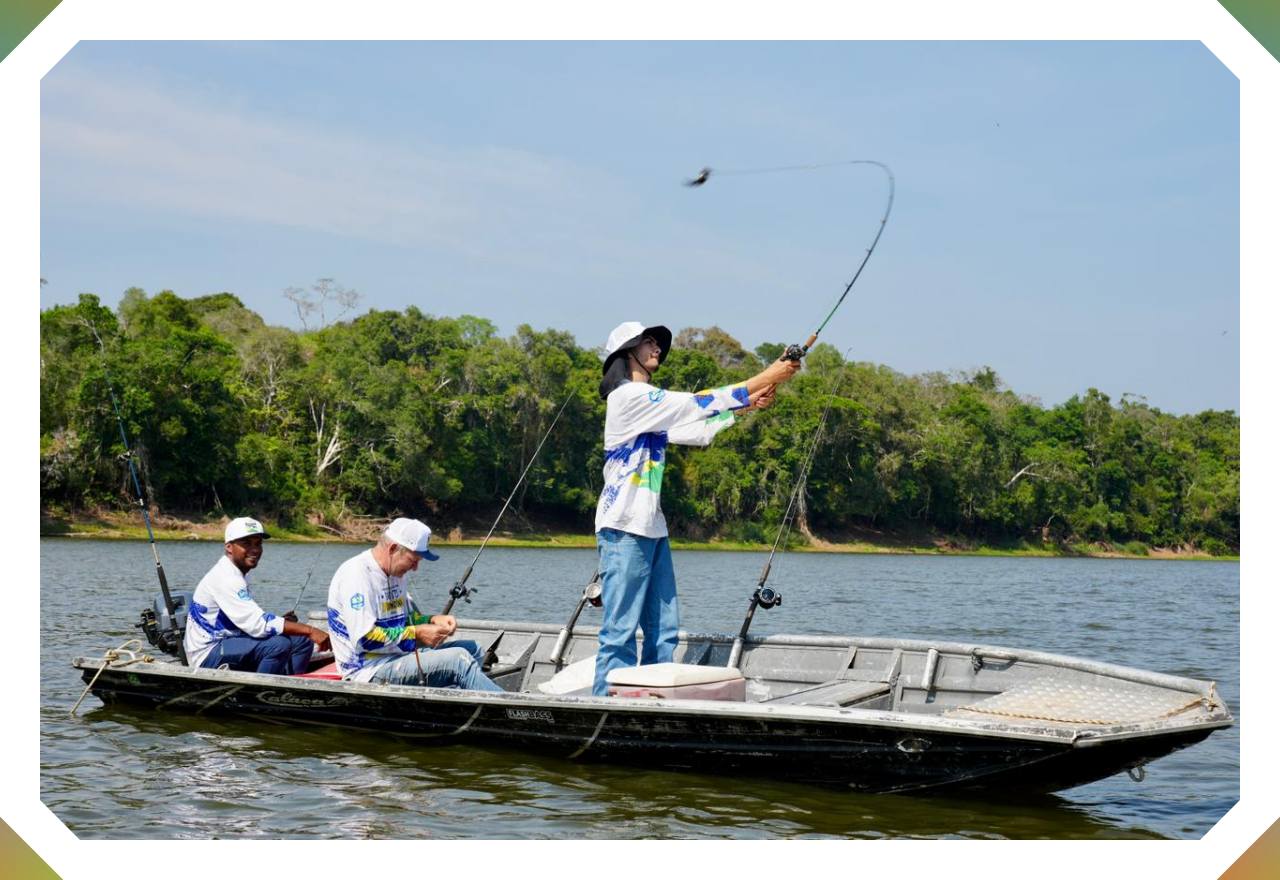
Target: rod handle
<point>764,574</point>
<point>171,607</point>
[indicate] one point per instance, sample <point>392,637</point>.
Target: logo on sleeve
<point>357,601</point>
<point>244,593</point>
<point>656,395</point>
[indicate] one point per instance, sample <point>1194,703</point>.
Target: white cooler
<point>678,681</point>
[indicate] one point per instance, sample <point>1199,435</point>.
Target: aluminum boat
<point>869,714</point>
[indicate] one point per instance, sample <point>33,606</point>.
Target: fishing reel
<point>594,592</point>
<point>767,597</point>
<point>794,352</point>
<point>461,591</point>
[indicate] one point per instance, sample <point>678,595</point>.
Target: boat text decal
<point>288,699</point>
<point>530,715</point>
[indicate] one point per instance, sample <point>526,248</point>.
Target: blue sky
<point>1066,213</point>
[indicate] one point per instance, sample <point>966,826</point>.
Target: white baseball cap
<point>243,527</point>
<point>412,534</point>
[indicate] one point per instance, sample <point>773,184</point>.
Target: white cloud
<point>181,153</point>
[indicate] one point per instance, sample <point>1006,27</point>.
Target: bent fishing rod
<point>795,352</point>
<point>764,595</point>
<point>169,605</point>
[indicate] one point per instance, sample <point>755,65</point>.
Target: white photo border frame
<point>1203,20</point>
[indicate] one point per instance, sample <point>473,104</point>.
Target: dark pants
<point>277,655</point>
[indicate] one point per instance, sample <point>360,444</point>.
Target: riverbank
<point>127,525</point>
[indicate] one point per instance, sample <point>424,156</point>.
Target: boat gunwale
<point>996,653</point>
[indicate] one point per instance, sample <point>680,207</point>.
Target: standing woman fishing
<point>637,576</point>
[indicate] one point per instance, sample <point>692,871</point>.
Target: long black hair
<point>616,373</point>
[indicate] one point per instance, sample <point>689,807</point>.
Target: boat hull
<point>851,749</point>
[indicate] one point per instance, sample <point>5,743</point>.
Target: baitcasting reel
<point>795,351</point>
<point>767,597</point>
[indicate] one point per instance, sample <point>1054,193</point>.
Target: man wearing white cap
<point>377,633</point>
<point>639,584</point>
<point>226,627</point>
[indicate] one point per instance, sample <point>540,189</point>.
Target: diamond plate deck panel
<point>1078,703</point>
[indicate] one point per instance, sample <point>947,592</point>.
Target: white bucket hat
<point>243,527</point>
<point>413,534</point>
<point>628,335</point>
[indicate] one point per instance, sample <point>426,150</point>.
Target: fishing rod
<point>765,596</point>
<point>591,595</point>
<point>460,590</point>
<point>795,352</point>
<point>169,638</point>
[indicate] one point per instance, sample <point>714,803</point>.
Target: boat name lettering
<point>530,715</point>
<point>287,699</point>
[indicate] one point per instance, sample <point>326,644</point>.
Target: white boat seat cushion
<point>666,675</point>
<point>576,676</point>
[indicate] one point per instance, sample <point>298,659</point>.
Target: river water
<point>130,773</point>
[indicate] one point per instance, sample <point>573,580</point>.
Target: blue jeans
<point>452,665</point>
<point>639,586</point>
<point>275,655</point>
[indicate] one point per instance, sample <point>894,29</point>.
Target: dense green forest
<point>408,412</point>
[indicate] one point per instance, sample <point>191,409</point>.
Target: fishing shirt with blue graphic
<point>369,619</point>
<point>640,420</point>
<point>222,607</point>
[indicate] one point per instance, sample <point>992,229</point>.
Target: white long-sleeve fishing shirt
<point>221,607</point>
<point>640,420</point>
<point>369,617</point>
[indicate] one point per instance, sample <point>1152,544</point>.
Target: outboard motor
<point>162,631</point>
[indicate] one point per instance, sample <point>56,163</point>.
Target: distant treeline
<point>403,411</point>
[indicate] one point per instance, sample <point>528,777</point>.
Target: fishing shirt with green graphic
<point>640,420</point>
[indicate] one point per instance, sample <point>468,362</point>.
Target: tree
<point>323,297</point>
<point>410,412</point>
<point>722,348</point>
